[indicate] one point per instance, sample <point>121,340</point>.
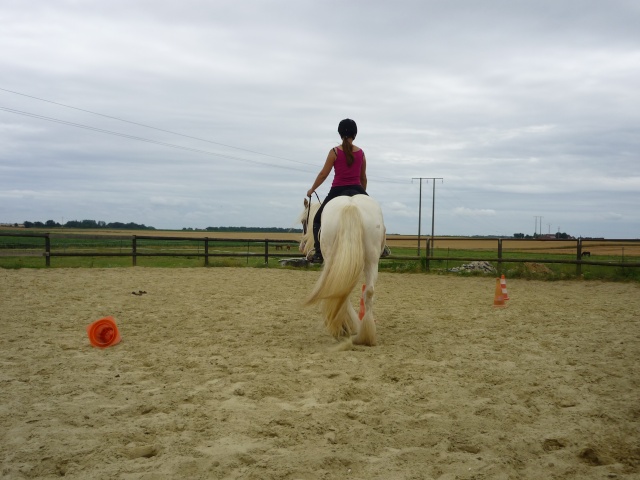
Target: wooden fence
<point>134,251</point>
<point>129,246</point>
<point>578,246</point>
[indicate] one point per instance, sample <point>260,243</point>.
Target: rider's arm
<point>324,173</point>
<point>363,172</point>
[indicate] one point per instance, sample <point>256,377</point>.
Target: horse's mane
<point>307,238</point>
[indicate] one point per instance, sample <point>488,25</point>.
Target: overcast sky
<point>221,113</point>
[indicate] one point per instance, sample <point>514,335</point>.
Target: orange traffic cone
<point>103,333</point>
<point>361,312</point>
<point>503,286</point>
<point>498,298</point>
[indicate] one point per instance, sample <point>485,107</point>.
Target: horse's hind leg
<point>370,276</point>
<point>367,331</point>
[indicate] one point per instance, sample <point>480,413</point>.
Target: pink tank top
<point>344,174</point>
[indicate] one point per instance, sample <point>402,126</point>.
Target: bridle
<point>306,222</point>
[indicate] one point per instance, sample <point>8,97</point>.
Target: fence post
<point>266,252</point>
<point>206,251</point>
<point>134,247</point>
<point>47,250</point>
<point>499,256</point>
<point>428,251</point>
<point>579,257</point>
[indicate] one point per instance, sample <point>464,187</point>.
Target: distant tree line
<point>99,224</point>
<point>88,224</point>
<point>559,236</point>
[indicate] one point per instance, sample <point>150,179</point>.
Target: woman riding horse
<point>350,176</point>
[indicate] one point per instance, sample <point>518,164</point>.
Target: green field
<point>89,249</point>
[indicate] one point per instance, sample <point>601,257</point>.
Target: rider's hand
<point>309,193</point>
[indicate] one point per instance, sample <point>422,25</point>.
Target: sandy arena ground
<point>221,374</point>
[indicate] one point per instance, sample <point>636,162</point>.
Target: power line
<point>151,127</point>
<point>142,139</point>
<point>156,142</point>
<point>380,179</point>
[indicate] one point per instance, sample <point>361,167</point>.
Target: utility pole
<point>536,227</point>
<point>433,208</point>
<point>419,215</point>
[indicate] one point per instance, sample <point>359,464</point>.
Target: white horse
<point>352,238</point>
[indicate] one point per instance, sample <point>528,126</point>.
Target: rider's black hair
<point>347,128</point>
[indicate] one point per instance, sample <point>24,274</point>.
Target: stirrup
<point>386,251</point>
<point>315,257</point>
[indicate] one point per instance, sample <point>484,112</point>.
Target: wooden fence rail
<point>501,259</point>
<point>135,251</point>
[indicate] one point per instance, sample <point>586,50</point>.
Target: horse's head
<point>306,219</point>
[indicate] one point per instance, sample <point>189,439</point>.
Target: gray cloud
<point>524,108</point>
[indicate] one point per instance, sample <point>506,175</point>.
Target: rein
<point>304,227</point>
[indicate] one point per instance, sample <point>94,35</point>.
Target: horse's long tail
<point>341,271</point>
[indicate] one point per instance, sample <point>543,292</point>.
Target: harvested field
<point>222,374</point>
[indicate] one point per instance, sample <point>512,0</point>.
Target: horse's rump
<point>371,219</point>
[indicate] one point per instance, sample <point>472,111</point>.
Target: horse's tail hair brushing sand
<point>341,270</point>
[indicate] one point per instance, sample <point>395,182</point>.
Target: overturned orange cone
<point>103,333</point>
<point>498,298</point>
<point>503,286</point>
<point>361,312</point>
